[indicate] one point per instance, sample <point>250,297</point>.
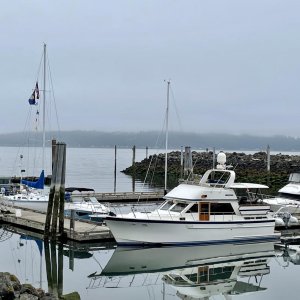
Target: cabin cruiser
<point>210,212</point>
<point>288,197</point>
<point>84,205</point>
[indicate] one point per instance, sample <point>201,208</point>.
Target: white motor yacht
<point>209,212</point>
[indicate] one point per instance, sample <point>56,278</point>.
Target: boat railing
<point>224,216</point>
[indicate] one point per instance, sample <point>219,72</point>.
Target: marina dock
<point>83,231</point>
<point>124,197</point>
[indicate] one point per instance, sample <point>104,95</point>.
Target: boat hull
<point>38,205</point>
<point>167,232</point>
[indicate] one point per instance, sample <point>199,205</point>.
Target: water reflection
<point>195,272</point>
<point>201,272</point>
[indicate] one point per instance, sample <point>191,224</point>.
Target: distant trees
<point>98,139</point>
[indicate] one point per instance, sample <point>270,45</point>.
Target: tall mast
<point>167,129</point>
<point>44,109</point>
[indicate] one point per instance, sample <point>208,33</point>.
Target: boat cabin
<point>215,197</point>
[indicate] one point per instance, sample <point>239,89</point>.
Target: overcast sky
<point>234,65</point>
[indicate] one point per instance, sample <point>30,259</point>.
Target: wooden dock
<point>122,197</point>
<point>84,231</point>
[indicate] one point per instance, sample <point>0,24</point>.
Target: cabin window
<point>289,196</point>
<point>221,209</point>
<point>193,208</point>
<point>166,205</point>
<point>179,207</point>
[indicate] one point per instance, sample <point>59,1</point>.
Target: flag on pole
<point>31,100</point>
<point>35,95</point>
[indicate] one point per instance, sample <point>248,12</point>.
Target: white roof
<point>191,192</point>
<point>242,185</point>
<point>291,188</point>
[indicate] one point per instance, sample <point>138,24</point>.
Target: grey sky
<point>234,65</point>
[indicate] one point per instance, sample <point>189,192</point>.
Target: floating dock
<point>83,231</point>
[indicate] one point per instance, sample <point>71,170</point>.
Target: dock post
<point>51,199</point>
<point>60,275</point>
<point>146,152</point>
<point>115,170</point>
<point>53,152</point>
<point>58,187</point>
<point>56,196</point>
<point>48,266</point>
<point>181,162</point>
<point>54,267</point>
<point>133,165</point>
<point>133,156</point>
<point>62,195</point>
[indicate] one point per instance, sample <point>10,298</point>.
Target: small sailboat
<point>29,196</point>
<point>32,195</point>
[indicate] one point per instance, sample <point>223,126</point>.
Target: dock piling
<point>56,197</point>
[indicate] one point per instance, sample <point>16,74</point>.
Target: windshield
<point>166,205</point>
<point>179,207</point>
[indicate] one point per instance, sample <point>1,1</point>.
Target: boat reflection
<point>289,253</point>
<point>194,272</point>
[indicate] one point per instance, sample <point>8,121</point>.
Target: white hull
<point>138,231</point>
<point>38,205</point>
<point>291,206</point>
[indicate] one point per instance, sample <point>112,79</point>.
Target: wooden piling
<point>48,266</point>
<point>56,196</point>
<point>115,170</point>
<point>53,151</point>
<point>133,165</point>
<point>60,275</point>
<point>181,163</point>
<point>62,195</point>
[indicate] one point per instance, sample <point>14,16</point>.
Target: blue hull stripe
<point>206,243</point>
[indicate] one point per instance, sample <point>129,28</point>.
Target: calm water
<point>257,271</point>
<point>86,167</point>
<point>260,271</point>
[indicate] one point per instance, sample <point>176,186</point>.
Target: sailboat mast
<point>44,109</point>
<point>167,131</point>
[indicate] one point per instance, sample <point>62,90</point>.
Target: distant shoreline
<point>197,141</point>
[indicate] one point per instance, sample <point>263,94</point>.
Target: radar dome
<point>221,158</point>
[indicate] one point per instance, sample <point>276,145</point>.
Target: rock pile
<point>11,288</point>
<point>248,167</point>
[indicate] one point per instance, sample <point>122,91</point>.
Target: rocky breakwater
<point>11,288</point>
<point>248,167</point>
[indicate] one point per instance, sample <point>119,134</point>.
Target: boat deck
<point>83,231</point>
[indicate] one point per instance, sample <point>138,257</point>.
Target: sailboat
<point>31,195</point>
